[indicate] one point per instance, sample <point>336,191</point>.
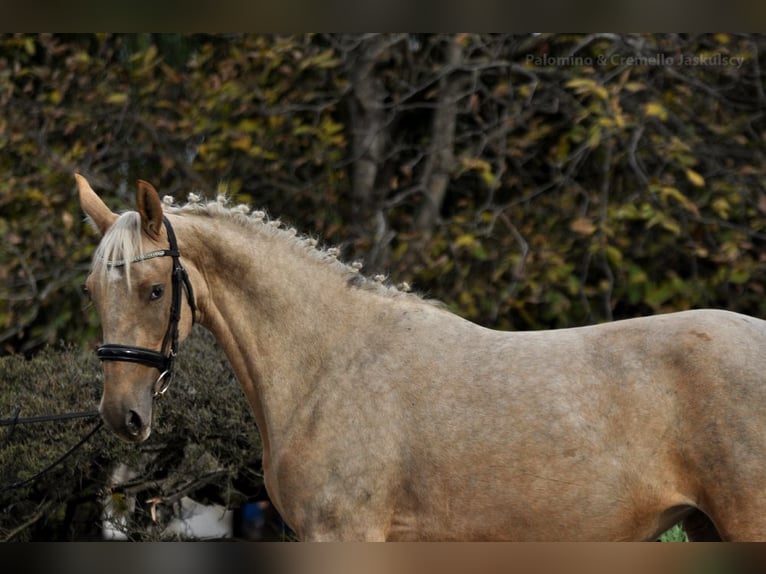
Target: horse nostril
<point>133,423</point>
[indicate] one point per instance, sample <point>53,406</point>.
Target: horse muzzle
<point>127,402</point>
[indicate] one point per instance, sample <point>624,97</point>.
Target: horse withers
<point>386,417</point>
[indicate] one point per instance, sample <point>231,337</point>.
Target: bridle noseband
<point>163,359</point>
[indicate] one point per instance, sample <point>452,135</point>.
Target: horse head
<point>135,284</point>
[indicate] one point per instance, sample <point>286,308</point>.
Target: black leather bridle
<point>163,359</point>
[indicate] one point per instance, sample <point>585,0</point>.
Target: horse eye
<point>156,292</point>
<point>85,290</point>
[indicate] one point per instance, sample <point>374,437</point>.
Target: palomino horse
<point>386,417</point>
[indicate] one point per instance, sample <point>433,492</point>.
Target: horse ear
<point>98,213</point>
<point>150,208</point>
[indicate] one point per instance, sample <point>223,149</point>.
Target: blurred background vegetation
<point>528,181</point>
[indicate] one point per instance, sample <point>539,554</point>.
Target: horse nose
<point>133,423</point>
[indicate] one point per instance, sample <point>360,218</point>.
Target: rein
<point>16,420</point>
<point>162,360</point>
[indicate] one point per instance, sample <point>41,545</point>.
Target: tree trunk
<point>367,114</point>
<point>441,158</point>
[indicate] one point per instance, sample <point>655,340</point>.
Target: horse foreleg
<point>741,525</point>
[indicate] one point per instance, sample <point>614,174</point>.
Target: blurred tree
<point>529,181</point>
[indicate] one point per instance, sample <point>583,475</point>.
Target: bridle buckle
<point>162,384</point>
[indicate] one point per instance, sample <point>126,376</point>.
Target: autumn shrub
<point>204,444</point>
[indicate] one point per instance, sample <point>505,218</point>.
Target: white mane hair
<point>122,242</point>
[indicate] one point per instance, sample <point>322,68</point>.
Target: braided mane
<point>123,240</point>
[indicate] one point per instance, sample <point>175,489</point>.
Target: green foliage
<point>589,177</point>
<point>612,190</point>
<point>250,113</point>
<point>205,444</point>
<point>675,534</point>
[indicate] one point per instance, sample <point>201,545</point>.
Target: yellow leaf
<point>721,207</point>
<point>117,98</point>
<point>614,255</point>
<point>594,137</point>
<point>29,46</point>
<point>150,55</point>
<point>580,83</point>
<point>588,86</point>
<point>466,240</point>
<point>248,125</point>
<point>722,38</point>
<point>657,110</point>
<point>673,192</point>
<point>242,142</point>
<point>695,178</point>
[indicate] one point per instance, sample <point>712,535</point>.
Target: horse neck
<point>282,317</point>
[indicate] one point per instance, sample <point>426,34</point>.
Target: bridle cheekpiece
<point>163,359</point>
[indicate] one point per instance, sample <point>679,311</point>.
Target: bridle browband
<point>163,359</point>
